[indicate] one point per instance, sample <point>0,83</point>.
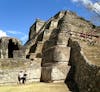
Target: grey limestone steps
<point>92,54</point>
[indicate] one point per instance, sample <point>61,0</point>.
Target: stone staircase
<point>92,53</point>
<point>38,51</point>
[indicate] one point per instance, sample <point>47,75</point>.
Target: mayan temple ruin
<point>66,48</point>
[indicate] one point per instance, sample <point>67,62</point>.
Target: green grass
<point>35,87</point>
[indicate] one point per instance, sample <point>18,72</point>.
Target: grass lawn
<point>36,87</point>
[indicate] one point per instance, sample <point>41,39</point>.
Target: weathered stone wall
<point>83,77</point>
<point>54,72</point>
<point>55,57</point>
<point>56,54</point>
<point>9,70</point>
<point>35,28</point>
<point>19,54</point>
<point>7,46</point>
<point>3,48</point>
<point>61,58</point>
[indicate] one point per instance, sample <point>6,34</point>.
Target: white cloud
<point>83,1</point>
<point>2,33</point>
<point>14,32</point>
<point>22,36</point>
<point>75,0</point>
<point>95,7</point>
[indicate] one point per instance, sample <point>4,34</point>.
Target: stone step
<point>94,55</point>
<point>39,47</point>
<point>92,50</point>
<point>47,34</point>
<point>35,55</point>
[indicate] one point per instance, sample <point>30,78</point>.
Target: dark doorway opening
<point>11,47</point>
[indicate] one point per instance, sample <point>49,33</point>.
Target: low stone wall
<point>10,75</point>
<point>87,76</point>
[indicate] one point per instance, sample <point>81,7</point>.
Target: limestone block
<point>62,54</point>
<point>63,38</point>
<point>18,54</point>
<point>60,14</point>
<point>35,28</point>
<point>47,34</point>
<point>46,74</point>
<point>39,47</point>
<point>33,74</point>
<point>4,53</point>
<point>53,25</point>
<point>39,24</point>
<point>32,56</point>
<point>48,44</point>
<point>55,72</point>
<point>56,54</point>
<point>59,72</point>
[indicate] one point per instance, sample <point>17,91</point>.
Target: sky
<point>16,16</point>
